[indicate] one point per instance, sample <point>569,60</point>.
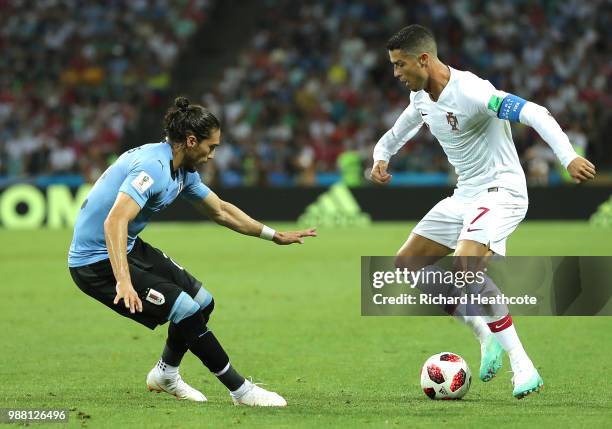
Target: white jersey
<point>476,142</point>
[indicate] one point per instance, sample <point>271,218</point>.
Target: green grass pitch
<point>289,317</point>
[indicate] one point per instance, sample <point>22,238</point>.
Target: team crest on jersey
<point>155,297</point>
<point>452,121</point>
<point>142,182</point>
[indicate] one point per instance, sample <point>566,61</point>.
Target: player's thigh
<point>471,256</point>
<point>417,245</point>
<point>490,220</point>
<point>469,248</point>
<point>157,294</point>
<point>418,252</point>
<point>436,234</point>
<point>155,261</point>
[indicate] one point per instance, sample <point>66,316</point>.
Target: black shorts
<point>150,269</point>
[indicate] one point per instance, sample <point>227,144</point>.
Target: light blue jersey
<point>145,174</point>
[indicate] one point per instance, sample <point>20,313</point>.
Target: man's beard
<point>192,166</point>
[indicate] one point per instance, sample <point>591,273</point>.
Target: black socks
<point>201,342</point>
<point>175,347</point>
<point>230,378</point>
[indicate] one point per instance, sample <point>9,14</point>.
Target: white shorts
<point>488,218</point>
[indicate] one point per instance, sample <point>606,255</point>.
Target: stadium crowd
<point>74,75</point>
<point>315,82</point>
<point>310,93</point>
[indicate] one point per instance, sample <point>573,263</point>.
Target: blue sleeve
<point>144,179</point>
<point>194,190</point>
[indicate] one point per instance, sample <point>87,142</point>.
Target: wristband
<point>267,233</point>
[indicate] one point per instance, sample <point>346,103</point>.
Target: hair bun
<point>181,103</point>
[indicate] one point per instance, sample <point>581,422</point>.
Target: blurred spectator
<point>539,158</point>
<point>74,74</point>
<point>316,78</point>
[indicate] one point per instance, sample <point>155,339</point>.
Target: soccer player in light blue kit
<point>109,262</point>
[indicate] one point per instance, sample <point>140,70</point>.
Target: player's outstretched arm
<point>406,126</point>
<point>232,217</point>
<point>516,109</point>
<point>115,231</point>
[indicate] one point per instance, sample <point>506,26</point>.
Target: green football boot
<point>526,381</point>
<point>491,354</point>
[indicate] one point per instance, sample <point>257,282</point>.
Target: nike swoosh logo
<point>475,229</point>
<point>161,164</point>
<point>505,323</point>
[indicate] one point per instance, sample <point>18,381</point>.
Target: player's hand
<point>290,237</point>
<point>126,292</point>
<point>581,170</point>
<point>379,173</point>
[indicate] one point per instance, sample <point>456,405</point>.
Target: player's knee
<point>206,311</point>
<point>184,307</point>
<point>203,298</point>
<point>206,302</point>
<point>469,263</point>
<point>401,261</point>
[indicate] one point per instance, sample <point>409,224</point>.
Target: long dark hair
<point>183,119</point>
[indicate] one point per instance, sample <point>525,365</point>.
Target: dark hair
<point>414,39</point>
<point>183,119</point>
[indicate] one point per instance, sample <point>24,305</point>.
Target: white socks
<point>518,357</point>
<point>241,390</point>
<point>167,370</point>
<point>504,331</point>
<point>483,326</point>
<point>477,324</point>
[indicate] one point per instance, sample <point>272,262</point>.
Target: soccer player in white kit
<point>471,120</point>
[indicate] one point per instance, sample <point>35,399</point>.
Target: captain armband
<point>508,107</point>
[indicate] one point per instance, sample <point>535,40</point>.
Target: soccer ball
<point>446,376</point>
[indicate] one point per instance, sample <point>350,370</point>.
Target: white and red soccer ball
<point>445,376</point>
